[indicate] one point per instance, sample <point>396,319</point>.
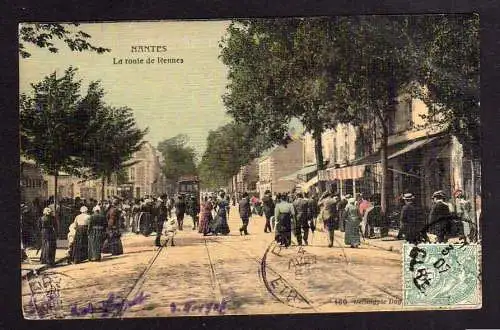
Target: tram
<point>189,185</point>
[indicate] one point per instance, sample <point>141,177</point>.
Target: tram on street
<point>189,185</point>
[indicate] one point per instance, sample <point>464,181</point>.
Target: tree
<point>179,158</point>
<point>49,134</point>
<point>228,148</point>
<point>42,35</point>
<point>283,69</point>
<point>110,142</point>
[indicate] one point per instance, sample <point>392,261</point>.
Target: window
<point>334,160</point>
<point>132,174</point>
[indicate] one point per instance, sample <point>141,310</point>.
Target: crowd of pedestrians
<point>93,227</point>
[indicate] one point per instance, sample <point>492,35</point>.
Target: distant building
<point>278,163</point>
<point>246,178</point>
<point>145,177</point>
<point>33,184</point>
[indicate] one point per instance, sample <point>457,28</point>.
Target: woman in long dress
<point>97,225</point>
<point>284,213</point>
<point>81,243</point>
<point>113,242</point>
<point>352,221</point>
<point>220,225</point>
<point>205,217</point>
<point>48,229</point>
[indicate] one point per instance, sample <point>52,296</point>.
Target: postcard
<point>250,166</point>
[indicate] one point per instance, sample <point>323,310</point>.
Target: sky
<point>168,98</point>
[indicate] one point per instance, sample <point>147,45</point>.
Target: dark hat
<point>439,194</point>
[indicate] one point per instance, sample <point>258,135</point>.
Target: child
<point>169,229</point>
<point>71,239</point>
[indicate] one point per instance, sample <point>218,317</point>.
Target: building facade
<point>277,164</point>
<point>33,184</point>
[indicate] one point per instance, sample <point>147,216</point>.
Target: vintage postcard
<point>250,166</point>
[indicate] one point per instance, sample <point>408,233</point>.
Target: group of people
<point>90,234</point>
<point>98,226</point>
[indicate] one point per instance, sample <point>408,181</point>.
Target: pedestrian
<point>301,208</point>
<point>268,208</point>
<point>96,233</point>
<point>146,217</point>
<point>161,216</point>
<point>329,215</point>
<point>341,211</point>
<point>284,214</point>
<point>373,216</point>
<point>412,221</point>
<point>193,209</point>
<point>206,217</point>
<point>220,225</point>
<point>440,217</point>
<point>49,239</point>
<point>81,243</point>
<point>313,210</point>
<point>170,229</point>
<point>463,209</point>
<point>352,221</point>
<point>180,209</point>
<point>113,242</point>
<point>244,210</point>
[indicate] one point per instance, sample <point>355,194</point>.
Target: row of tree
<point>63,130</point>
<point>326,71</point>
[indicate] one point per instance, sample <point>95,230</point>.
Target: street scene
<point>250,166</point>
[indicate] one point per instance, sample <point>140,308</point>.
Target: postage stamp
<point>441,275</point>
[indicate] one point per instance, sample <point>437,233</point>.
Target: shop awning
<point>356,170</point>
<point>300,175</point>
<point>394,151</point>
<point>342,173</point>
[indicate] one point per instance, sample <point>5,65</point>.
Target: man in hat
<point>440,216</point>
<point>180,209</point>
<point>301,207</point>
<point>411,220</point>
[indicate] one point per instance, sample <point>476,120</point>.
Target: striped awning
<point>342,173</point>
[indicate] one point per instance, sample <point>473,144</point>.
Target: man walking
<point>268,208</point>
<point>301,207</point>
<point>411,219</point>
<point>180,209</point>
<point>440,217</point>
<point>329,214</point>
<point>244,209</point>
<point>161,216</point>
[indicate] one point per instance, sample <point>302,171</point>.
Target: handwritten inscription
<point>191,306</point>
<point>302,263</point>
<point>45,294</point>
<point>109,307</point>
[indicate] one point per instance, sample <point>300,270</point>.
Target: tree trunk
<point>56,214</point>
<point>318,150</point>
<point>102,188</point>
<point>383,165</point>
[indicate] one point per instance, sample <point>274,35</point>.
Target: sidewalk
<point>32,265</point>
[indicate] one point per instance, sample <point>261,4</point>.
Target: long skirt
<point>96,238</point>
<point>48,254</point>
<point>283,234</point>
<point>220,225</point>
<point>352,236</point>
<point>145,223</point>
<point>205,220</point>
<point>113,243</point>
<point>81,245</point>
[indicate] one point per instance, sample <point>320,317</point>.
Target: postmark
<point>441,275</point>
<point>46,300</point>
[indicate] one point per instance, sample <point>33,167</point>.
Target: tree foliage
<point>228,148</point>
<point>180,159</point>
<point>43,34</point>
<point>48,119</point>
<point>63,131</point>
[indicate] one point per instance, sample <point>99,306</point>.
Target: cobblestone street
<point>224,275</point>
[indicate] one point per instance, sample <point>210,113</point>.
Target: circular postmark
<point>41,293</point>
<point>279,284</point>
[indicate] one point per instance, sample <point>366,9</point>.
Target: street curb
<point>391,248</point>
<point>35,271</point>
